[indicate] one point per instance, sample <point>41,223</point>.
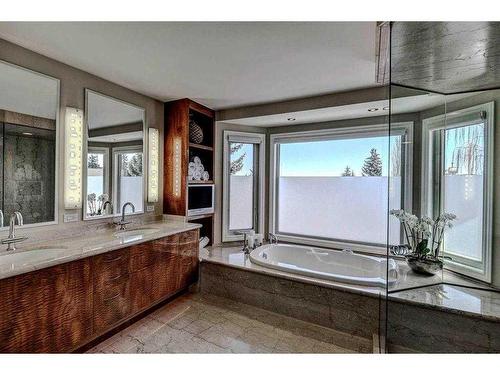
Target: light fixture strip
<point>177,168</point>
<point>153,164</point>
<point>73,158</point>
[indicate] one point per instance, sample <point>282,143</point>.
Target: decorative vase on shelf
<point>424,266</point>
<point>195,132</point>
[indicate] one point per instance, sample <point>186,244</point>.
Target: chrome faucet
<point>122,223</point>
<point>246,248</point>
<point>12,239</point>
<point>272,238</point>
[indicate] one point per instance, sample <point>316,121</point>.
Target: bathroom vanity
<point>93,289</point>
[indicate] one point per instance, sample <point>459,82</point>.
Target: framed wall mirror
<point>115,166</point>
<point>29,110</point>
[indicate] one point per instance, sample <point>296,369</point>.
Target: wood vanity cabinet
<point>61,308</point>
<point>48,310</point>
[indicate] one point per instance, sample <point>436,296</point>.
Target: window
<point>243,187</point>
<point>331,187</point>
<point>457,179</point>
<point>97,178</point>
<point>128,177</point>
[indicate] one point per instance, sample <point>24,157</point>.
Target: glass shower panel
<point>447,289</point>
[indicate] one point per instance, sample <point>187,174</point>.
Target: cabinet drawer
<point>111,306</point>
<point>141,257</point>
<point>110,267</point>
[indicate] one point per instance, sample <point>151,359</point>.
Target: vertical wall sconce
<point>73,154</point>
<point>177,167</point>
<point>153,158</point>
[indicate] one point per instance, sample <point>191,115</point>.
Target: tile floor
<point>196,323</point>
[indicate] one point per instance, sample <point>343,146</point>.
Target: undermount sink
<point>38,254</point>
<point>136,232</point>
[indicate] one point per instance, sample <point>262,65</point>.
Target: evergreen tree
<point>348,172</point>
<point>237,164</point>
<point>93,161</point>
<point>134,166</point>
<point>373,164</point>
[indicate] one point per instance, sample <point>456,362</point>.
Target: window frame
<point>402,128</point>
<point>449,121</point>
<point>106,175</point>
<point>230,136</point>
<point>115,175</point>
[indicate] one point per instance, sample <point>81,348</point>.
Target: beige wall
<point>73,83</point>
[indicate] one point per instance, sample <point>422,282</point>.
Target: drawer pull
<point>112,298</point>
<point>114,259</point>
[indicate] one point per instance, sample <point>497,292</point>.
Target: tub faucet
<point>11,240</point>
<point>246,248</point>
<point>122,223</point>
<point>272,238</point>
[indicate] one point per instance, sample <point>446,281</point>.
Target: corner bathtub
<point>343,266</point>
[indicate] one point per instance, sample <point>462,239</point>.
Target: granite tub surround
<point>418,328</point>
<point>196,323</point>
<point>34,255</point>
<point>352,311</point>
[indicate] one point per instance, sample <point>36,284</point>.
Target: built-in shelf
<point>201,147</point>
<point>198,217</point>
<point>200,182</point>
<point>178,115</point>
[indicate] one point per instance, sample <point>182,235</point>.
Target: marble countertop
<point>462,300</point>
<point>35,256</point>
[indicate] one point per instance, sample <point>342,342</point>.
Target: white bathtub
<point>343,266</point>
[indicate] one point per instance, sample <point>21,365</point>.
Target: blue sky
<point>329,158</point>
<point>322,158</point>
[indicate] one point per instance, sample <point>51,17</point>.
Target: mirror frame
<point>57,146</point>
<point>85,153</point>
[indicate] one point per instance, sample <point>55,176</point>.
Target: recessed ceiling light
<point>291,119</point>
<point>372,109</point>
<point>26,133</point>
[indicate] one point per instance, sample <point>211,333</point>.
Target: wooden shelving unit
<point>177,117</point>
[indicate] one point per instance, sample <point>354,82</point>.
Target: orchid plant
<point>96,203</point>
<point>424,235</point>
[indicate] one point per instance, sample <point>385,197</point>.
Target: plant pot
<point>424,266</point>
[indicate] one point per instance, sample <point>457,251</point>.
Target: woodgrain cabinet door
<point>166,266</point>
<point>112,288</point>
<point>46,311</point>
<point>188,252</point>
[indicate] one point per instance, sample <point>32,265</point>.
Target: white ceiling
<point>360,110</point>
<point>218,64</point>
<point>103,111</point>
<point>27,92</point>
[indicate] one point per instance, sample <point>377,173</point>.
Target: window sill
<point>337,245</point>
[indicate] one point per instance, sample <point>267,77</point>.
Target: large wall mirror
<point>115,156</point>
<point>29,104</point>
